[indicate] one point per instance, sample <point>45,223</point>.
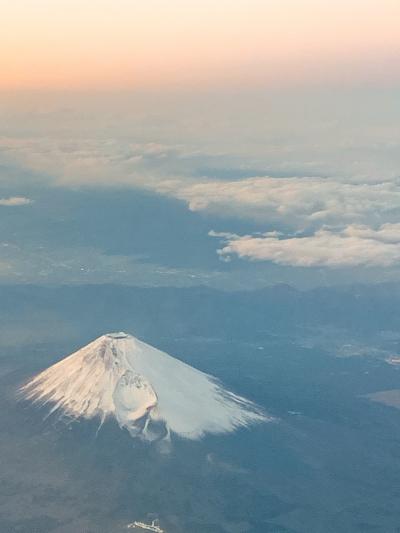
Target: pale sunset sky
<point>46,44</point>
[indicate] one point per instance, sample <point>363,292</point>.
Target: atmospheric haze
<point>150,393</point>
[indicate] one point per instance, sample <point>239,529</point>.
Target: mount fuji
<point>150,393</point>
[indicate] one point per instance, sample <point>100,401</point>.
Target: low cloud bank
<point>355,245</point>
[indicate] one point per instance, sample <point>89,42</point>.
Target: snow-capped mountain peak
<point>150,393</point>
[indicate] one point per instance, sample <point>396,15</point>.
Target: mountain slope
<point>150,393</point>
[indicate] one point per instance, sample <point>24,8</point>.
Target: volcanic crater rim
<point>118,335</point>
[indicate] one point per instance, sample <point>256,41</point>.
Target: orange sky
<point>158,43</point>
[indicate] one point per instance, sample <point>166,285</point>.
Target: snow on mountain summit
<point>150,393</point>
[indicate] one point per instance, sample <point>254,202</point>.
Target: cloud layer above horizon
<point>321,192</point>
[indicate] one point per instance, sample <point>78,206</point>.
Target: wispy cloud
<point>92,162</point>
<point>15,201</point>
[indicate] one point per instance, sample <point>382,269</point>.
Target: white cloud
<point>14,201</point>
<point>92,162</point>
<point>295,201</point>
<point>300,201</point>
<point>362,216</point>
<point>356,245</point>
